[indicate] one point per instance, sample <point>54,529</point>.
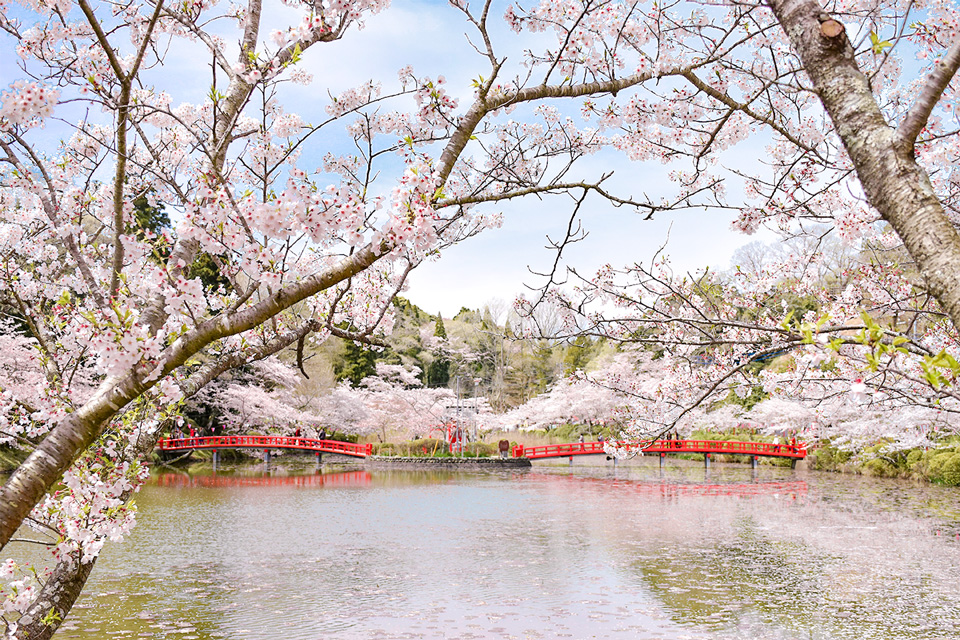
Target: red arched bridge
<point>266,443</point>
<point>794,451</point>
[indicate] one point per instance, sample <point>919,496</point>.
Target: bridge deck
<point>265,442</point>
<point>766,449</point>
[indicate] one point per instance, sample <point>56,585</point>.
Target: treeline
<point>480,352</point>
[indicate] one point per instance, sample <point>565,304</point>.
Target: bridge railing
<point>265,442</point>
<point>770,449</point>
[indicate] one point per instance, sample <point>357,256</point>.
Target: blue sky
<point>494,265</point>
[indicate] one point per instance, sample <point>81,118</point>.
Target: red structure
<point>796,451</point>
<point>348,479</point>
<point>265,442</point>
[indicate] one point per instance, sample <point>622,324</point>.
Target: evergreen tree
<point>358,363</point>
<point>206,269</point>
<point>150,218</point>
<point>439,330</point>
<point>578,354</point>
<point>438,372</point>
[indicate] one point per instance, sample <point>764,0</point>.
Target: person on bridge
<point>296,433</point>
<point>580,440</point>
<point>323,434</point>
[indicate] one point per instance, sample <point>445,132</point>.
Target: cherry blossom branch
<point>78,430</point>
<point>745,108</point>
<point>50,209</point>
<point>365,336</point>
<point>894,183</point>
<point>571,235</point>
<point>930,95</point>
<point>126,80</point>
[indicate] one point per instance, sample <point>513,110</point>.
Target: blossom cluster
<point>90,508</point>
<point>27,103</point>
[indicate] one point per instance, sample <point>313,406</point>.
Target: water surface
<point>545,553</point>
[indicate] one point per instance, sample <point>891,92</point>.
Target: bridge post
<point>319,459</point>
<point>266,456</point>
<point>571,461</point>
<point>754,461</point>
<point>216,459</point>
<point>663,457</point>
<point>793,463</point>
<point>706,461</point>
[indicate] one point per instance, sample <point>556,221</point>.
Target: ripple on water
<point>535,555</point>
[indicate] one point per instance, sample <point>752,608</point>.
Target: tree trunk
<point>894,183</point>
<point>58,594</point>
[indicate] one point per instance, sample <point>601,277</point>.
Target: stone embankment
<point>397,462</point>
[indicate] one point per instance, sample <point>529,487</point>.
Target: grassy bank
<point>432,448</point>
<point>940,465</point>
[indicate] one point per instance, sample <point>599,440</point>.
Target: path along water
<point>546,553</point>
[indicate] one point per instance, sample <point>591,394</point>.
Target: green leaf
<point>51,617</point>
<point>786,321</point>
<point>878,45</point>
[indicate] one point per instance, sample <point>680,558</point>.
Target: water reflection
<point>273,479</point>
<point>546,553</point>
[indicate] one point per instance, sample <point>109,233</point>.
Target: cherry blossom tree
<point>391,404</point>
<point>852,141</point>
<point>579,399</point>
<point>303,247</point>
<point>778,349</point>
<point>263,396</point>
<point>109,299</point>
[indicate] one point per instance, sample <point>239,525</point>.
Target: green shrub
<point>429,447</point>
<point>827,457</point>
<point>424,447</point>
<point>914,457</point>
<point>944,468</point>
<point>482,449</point>
<point>881,468</point>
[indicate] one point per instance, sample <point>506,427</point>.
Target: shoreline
<point>397,462</point>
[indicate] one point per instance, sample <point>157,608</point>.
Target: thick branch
<point>916,119</point>
<point>77,431</point>
<point>893,182</point>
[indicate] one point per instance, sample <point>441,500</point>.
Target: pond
<point>549,552</point>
